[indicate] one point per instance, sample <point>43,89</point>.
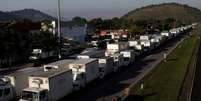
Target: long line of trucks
<point>55,80</point>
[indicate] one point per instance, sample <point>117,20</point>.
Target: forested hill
<point>176,11</point>
<point>31,14</point>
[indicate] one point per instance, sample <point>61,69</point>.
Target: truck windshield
<point>48,68</point>
<point>31,96</point>
<point>35,54</point>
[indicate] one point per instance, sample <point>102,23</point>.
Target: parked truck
<point>48,86</point>
<point>38,54</point>
<point>145,40</point>
<point>156,40</point>
<point>133,43</point>
<point>58,64</point>
<point>116,47</point>
<point>166,34</point>
<point>174,32</point>
<point>7,92</point>
<point>91,54</point>
<point>138,49</point>
<point>129,56</point>
<point>84,72</point>
<point>147,45</point>
<point>15,82</point>
<point>105,66</point>
<point>118,61</point>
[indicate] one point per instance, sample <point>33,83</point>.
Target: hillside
<point>180,12</point>
<point>6,17</point>
<point>31,14</point>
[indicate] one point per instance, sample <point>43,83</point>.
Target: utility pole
<point>59,27</point>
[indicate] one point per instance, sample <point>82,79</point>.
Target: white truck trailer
<point>145,40</point>
<point>118,61</point>
<point>19,79</point>
<point>157,40</point>
<point>147,45</point>
<point>129,56</point>
<point>144,37</point>
<point>84,71</point>
<point>58,64</point>
<point>105,66</point>
<point>38,54</point>
<point>116,47</point>
<point>133,43</point>
<point>48,86</point>
<point>166,34</point>
<point>174,32</point>
<point>91,54</point>
<point>138,49</point>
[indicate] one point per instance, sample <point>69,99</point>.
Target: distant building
<point>46,27</point>
<point>49,27</point>
<point>114,34</point>
<point>76,33</point>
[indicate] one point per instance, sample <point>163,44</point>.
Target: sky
<point>87,8</point>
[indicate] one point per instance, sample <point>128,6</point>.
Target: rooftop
<point>84,61</point>
<point>61,63</point>
<point>128,50</point>
<point>33,89</point>
<point>26,71</point>
<point>93,54</point>
<point>52,73</point>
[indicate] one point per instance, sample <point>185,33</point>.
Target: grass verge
<point>165,82</point>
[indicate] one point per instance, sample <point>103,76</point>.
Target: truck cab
<point>117,61</point>
<point>6,90</point>
<point>101,69</point>
<point>34,94</point>
<point>139,49</point>
<point>36,53</point>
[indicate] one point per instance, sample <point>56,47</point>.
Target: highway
<point>114,84</point>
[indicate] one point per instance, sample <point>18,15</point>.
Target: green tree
<point>45,40</point>
<point>116,23</point>
<point>95,25</point>
<point>14,45</point>
<point>79,21</point>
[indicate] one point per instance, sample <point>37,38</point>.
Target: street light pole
<point>59,26</point>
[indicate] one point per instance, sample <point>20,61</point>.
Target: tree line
<point>134,27</point>
<point>16,44</point>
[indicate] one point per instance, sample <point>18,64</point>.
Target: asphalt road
<point>114,84</point>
